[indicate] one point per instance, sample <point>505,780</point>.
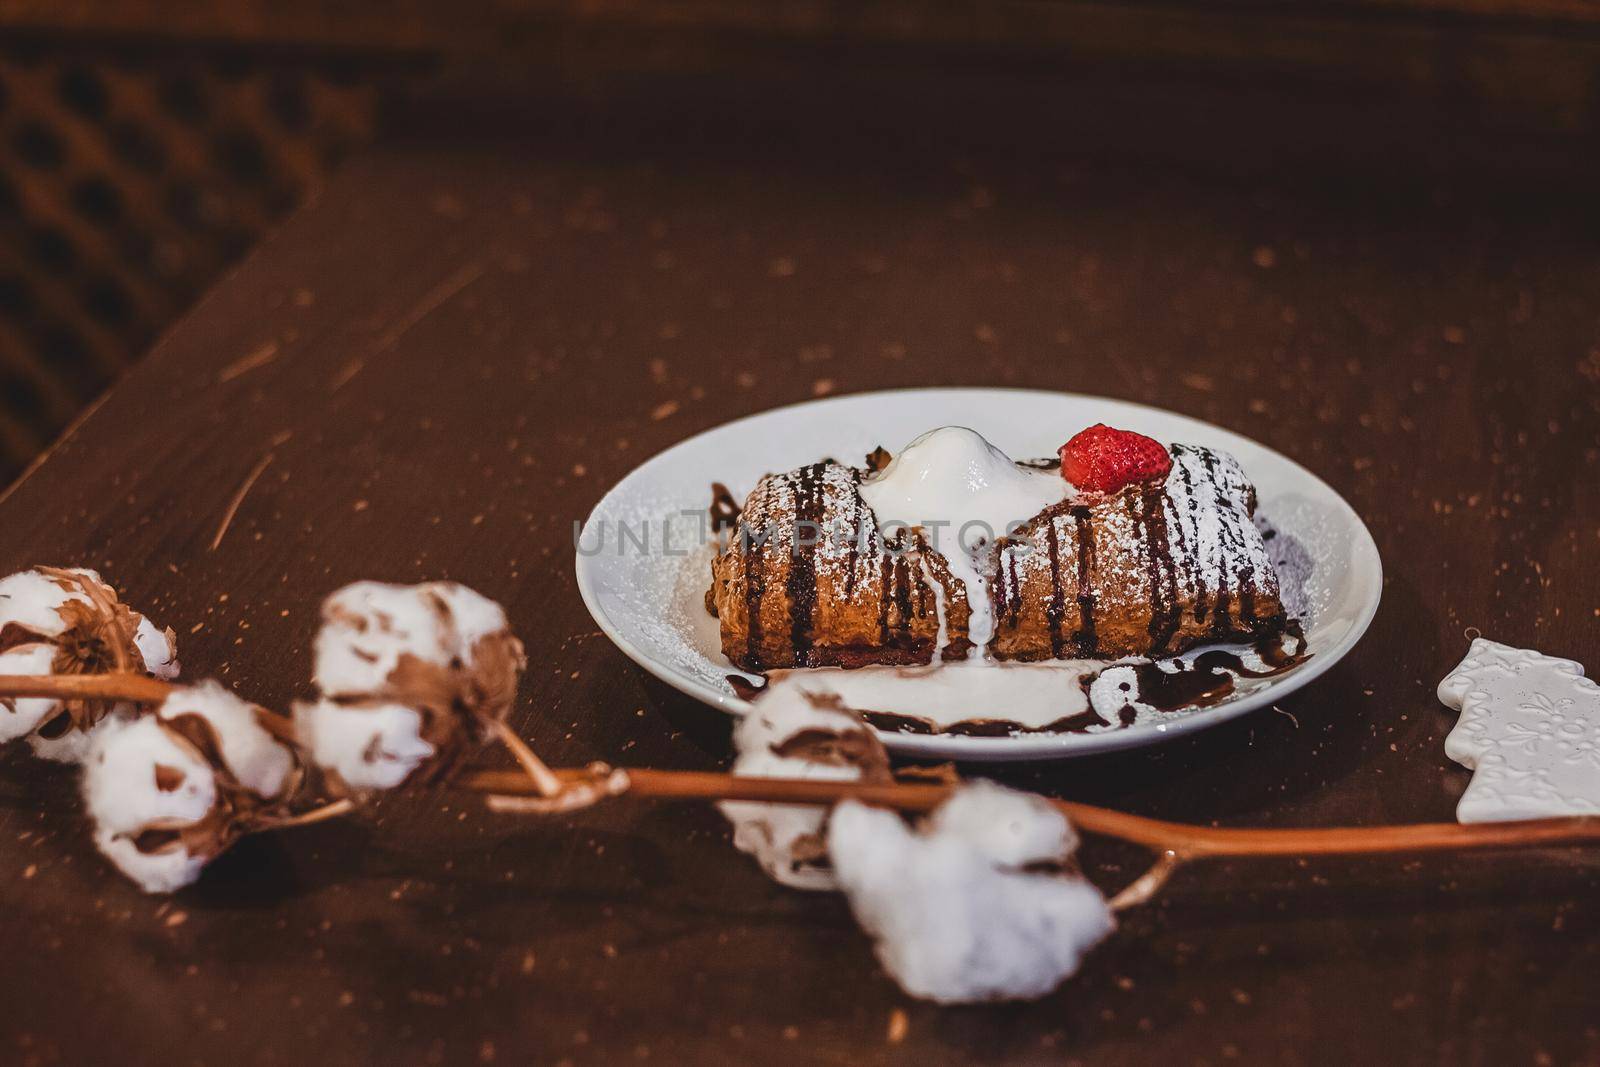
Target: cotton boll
<point>20,716</point>
<point>142,787</point>
<point>367,746</point>
<point>232,729</point>
<point>785,709</point>
<point>154,872</point>
<point>952,921</point>
<point>368,626</point>
<point>791,734</point>
<point>73,746</point>
<point>408,675</point>
<point>475,616</point>
<point>435,643</point>
<point>1012,829</point>
<point>158,648</point>
<point>126,781</point>
<point>68,621</point>
<point>32,600</point>
<point>171,790</point>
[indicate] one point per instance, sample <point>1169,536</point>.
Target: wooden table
<point>441,365</point>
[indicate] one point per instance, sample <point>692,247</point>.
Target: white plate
<point>649,600</point>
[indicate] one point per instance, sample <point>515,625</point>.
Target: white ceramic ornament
<point>1529,731</point>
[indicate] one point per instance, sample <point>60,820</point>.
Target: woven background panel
<point>126,185</point>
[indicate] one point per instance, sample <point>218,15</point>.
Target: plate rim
<point>1016,747</point>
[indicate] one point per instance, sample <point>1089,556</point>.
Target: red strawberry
<point>1103,460</point>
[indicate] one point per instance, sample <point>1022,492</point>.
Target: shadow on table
<point>709,730</point>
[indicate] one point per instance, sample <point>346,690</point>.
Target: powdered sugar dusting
<point>774,510</point>
<point>664,567</point>
<point>1295,540</point>
<point>1216,533</point>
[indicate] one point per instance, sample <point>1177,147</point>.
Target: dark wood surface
<point>447,360</point>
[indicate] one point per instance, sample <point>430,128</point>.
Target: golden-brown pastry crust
<point>807,580</point>
<point>1140,572</point>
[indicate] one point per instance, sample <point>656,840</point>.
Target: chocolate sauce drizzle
<point>1204,680</point>
<point>1085,640</point>
<point>1058,597</point>
<point>1211,677</point>
<point>1247,573</point>
<point>852,557</point>
<point>744,688</point>
<point>1221,619</point>
<point>1202,596</point>
<point>724,509</point>
<point>802,585</point>
<point>1149,512</point>
<point>902,590</point>
<point>1171,690</point>
<point>911,724</point>
<point>755,587</point>
<point>885,595</point>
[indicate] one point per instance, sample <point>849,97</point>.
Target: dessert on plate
<point>951,551</point>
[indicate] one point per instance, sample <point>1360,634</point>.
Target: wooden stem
<point>543,779</point>
<point>1183,841</point>
<point>139,688</point>
<point>1186,842</point>
<point>1148,884</point>
<point>331,810</point>
<point>599,782</point>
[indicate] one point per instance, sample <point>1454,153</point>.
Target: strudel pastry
<point>949,550</point>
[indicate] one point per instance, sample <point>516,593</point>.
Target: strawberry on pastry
<point>1102,459</point>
